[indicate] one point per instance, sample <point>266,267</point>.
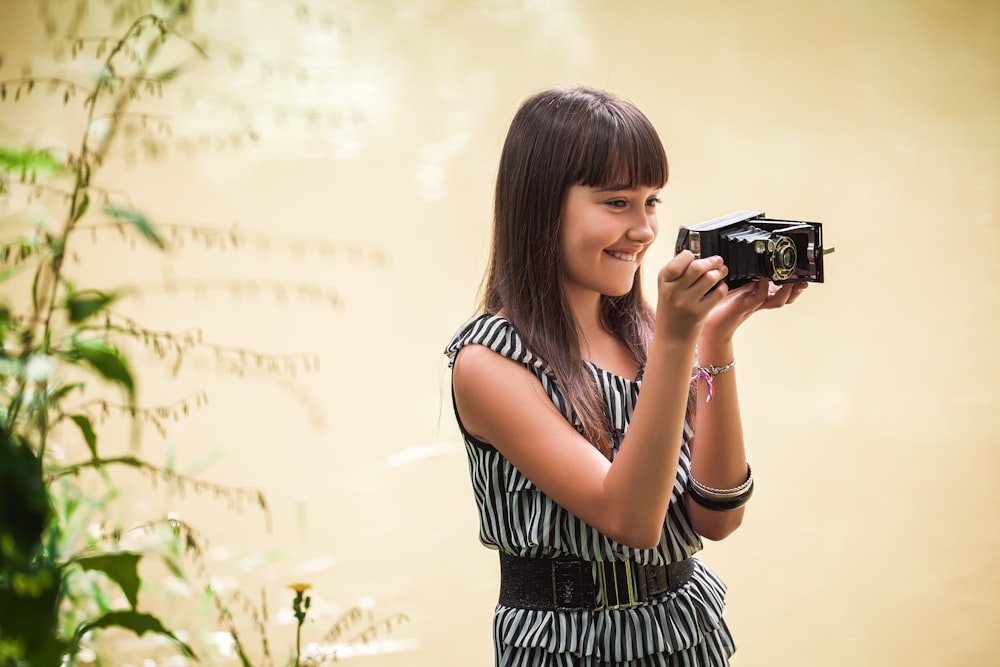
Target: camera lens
<point>787,259</point>
<point>783,258</point>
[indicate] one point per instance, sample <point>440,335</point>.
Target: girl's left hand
<point>746,300</point>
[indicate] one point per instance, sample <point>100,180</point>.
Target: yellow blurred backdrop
<point>871,408</point>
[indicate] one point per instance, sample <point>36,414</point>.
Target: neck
<point>586,309</point>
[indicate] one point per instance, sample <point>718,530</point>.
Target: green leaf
<point>62,391</point>
<point>25,507</point>
<point>169,74</point>
<point>29,161</point>
<point>30,620</point>
<point>106,77</point>
<point>5,322</point>
<point>87,429</point>
<point>82,305</point>
<point>121,567</point>
<point>139,623</point>
<point>174,566</point>
<point>137,220</point>
<point>107,361</point>
<point>82,208</point>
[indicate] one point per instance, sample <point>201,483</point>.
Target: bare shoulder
<point>474,358</point>
<point>476,365</point>
<point>484,383</point>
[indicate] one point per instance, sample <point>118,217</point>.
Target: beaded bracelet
<point>708,373</point>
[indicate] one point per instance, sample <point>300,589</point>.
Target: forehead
<point>625,162</point>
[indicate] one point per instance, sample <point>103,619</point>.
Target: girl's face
<point>605,234</point>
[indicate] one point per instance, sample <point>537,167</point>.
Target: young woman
<point>597,493</point>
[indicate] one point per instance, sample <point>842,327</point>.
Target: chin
<point>614,293</point>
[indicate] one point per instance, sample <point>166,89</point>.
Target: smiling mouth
<point>625,257</point>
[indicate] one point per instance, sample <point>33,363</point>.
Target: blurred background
<point>352,147</point>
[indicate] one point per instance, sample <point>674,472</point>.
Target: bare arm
<point>718,453</point>
<point>503,404</point>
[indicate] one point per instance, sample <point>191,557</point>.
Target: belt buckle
<point>607,591</point>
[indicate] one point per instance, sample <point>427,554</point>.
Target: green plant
<point>65,354</point>
<point>352,628</point>
<point>300,608</point>
<point>56,356</point>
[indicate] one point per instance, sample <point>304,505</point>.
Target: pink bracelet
<point>708,373</point>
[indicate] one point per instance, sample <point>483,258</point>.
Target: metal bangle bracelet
<point>724,493</point>
<point>720,505</point>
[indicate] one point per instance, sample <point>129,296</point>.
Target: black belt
<point>573,583</point>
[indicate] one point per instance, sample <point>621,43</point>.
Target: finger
<point>747,289</point>
<point>755,294</point>
<point>707,268</point>
<point>796,291</point>
<point>779,297</point>
<point>676,267</point>
<point>712,281</point>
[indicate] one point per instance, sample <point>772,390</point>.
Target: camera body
<point>753,246</point>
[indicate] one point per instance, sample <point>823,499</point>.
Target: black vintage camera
<point>752,246</point>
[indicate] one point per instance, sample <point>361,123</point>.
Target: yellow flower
<point>300,588</point>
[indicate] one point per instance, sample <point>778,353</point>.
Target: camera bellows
<point>758,252</point>
<point>752,246</point>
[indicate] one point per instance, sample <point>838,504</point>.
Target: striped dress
<point>684,627</point>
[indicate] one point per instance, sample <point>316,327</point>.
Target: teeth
<point>622,256</point>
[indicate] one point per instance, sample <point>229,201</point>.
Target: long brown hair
<point>559,138</point>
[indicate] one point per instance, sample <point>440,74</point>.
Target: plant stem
<point>87,161</point>
<point>48,277</point>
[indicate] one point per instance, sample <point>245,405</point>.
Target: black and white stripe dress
<point>684,627</point>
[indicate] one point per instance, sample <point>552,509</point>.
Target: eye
<point>616,203</point>
<point>653,202</point>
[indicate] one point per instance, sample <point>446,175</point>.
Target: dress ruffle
<point>689,619</point>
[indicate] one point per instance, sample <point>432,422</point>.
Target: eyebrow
<point>616,187</point>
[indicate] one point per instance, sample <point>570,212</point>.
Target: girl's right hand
<point>686,295</point>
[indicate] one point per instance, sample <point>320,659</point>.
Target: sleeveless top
<point>684,627</point>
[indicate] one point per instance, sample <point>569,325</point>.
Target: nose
<point>643,230</point>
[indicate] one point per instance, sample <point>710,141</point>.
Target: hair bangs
<point>622,150</point>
